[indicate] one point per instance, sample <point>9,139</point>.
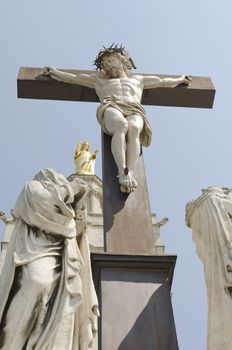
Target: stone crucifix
<point>122,116</point>
<point>120,113</point>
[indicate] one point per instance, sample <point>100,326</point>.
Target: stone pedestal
<point>135,303</point>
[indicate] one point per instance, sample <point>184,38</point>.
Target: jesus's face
<point>113,66</point>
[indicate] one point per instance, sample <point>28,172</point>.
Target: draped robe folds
<point>44,247</point>
<point>209,217</point>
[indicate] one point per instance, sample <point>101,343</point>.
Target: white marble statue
<point>48,301</point>
<point>209,217</point>
<point>84,159</point>
<point>120,113</point>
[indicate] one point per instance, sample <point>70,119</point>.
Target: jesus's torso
<point>125,89</point>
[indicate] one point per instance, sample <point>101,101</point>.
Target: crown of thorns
<point>107,51</point>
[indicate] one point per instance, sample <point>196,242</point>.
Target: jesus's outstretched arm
<point>152,81</point>
<point>80,79</point>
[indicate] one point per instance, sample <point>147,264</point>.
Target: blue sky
<point>191,148</point>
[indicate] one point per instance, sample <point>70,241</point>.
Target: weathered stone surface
<point>134,294</point>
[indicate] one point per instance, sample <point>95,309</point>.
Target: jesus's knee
<point>115,121</point>
<point>134,129</point>
<point>122,126</point>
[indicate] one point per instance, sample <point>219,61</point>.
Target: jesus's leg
<point>135,126</point>
<point>117,125</point>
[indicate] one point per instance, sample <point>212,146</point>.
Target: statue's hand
<point>48,70</point>
<point>3,217</point>
<point>78,186</point>
<point>94,154</point>
<point>186,79</point>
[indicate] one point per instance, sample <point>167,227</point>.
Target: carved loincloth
<point>127,109</point>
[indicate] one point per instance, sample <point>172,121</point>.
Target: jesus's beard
<point>115,72</point>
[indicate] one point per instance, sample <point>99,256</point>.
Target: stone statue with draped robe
<point>209,217</point>
<point>48,301</point>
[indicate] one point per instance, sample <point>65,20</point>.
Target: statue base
<point>135,303</point>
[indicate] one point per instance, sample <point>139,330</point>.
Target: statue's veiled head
<point>114,61</point>
<point>50,176</point>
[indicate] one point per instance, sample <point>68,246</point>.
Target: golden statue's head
<point>85,146</point>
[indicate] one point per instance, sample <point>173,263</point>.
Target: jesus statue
<point>120,113</point>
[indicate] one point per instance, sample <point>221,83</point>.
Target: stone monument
<point>132,282</point>
<point>209,217</point>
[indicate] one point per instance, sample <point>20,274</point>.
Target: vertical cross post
<point>127,217</point>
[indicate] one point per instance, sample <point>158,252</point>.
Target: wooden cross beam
<point>33,84</point>
<point>127,217</point>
